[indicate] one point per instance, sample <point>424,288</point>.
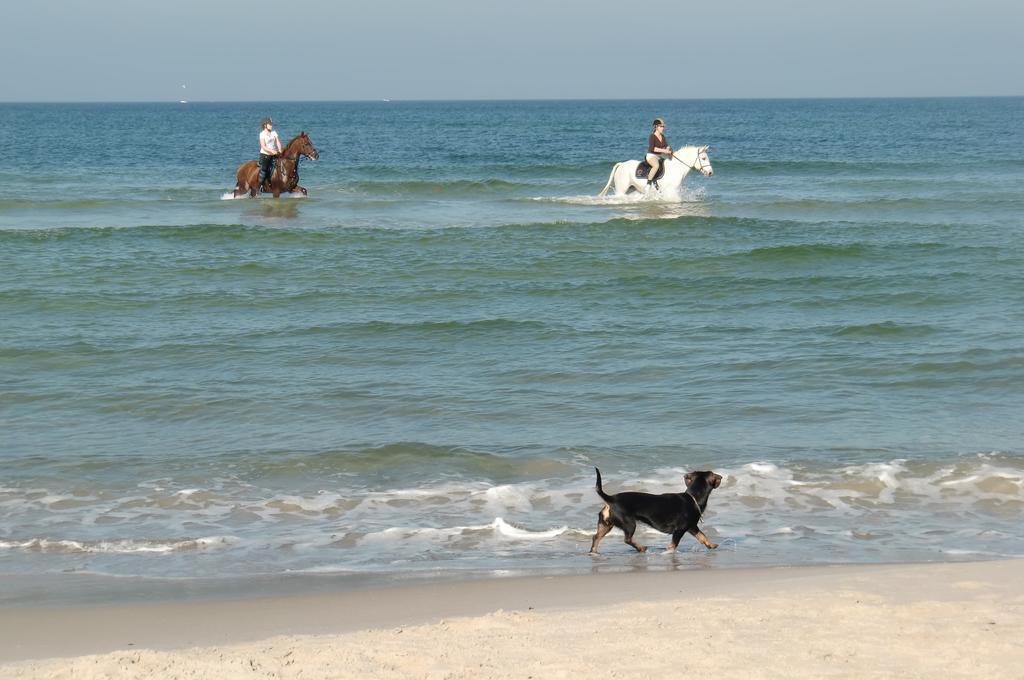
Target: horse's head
<point>305,146</point>
<point>697,161</point>
<point>703,162</point>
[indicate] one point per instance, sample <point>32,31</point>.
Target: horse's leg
<point>640,185</point>
<point>670,182</point>
<point>302,189</point>
<point>617,189</point>
<point>246,179</point>
<point>624,179</point>
<point>241,186</point>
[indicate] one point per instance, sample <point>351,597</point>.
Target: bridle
<point>294,155</point>
<point>699,162</point>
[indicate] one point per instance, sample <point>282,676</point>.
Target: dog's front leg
<point>699,535</point>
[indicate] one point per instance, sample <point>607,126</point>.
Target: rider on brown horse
<point>283,174</point>
<point>270,148</point>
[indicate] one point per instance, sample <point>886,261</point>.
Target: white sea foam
<point>464,489</point>
<point>498,528</point>
<point>684,195</point>
<point>749,488</point>
<point>984,553</point>
<point>308,504</point>
<point>428,534</point>
<point>122,547</point>
<point>230,196</point>
<point>767,508</point>
<point>762,468</point>
<point>628,199</point>
<point>506,529</point>
<point>509,497</point>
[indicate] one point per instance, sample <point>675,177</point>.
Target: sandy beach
<point>953,619</point>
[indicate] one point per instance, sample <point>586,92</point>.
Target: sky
<point>254,50</point>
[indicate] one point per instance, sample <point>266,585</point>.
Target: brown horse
<point>286,170</point>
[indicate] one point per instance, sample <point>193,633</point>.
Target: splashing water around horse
<point>286,170</point>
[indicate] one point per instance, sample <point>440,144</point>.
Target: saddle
<point>645,167</point>
<point>280,169</point>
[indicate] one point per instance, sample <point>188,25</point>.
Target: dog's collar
<point>700,513</point>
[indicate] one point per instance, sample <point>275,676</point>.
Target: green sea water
<point>414,370</point>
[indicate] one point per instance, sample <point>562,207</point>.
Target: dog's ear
<point>715,480</point>
<point>690,476</point>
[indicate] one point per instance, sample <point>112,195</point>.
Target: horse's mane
<point>288,145</point>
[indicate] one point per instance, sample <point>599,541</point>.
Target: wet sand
<point>910,620</point>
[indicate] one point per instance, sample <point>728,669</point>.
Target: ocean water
<point>412,372</point>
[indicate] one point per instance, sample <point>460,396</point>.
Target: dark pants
<point>266,168</point>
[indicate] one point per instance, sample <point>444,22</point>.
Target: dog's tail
<point>600,491</point>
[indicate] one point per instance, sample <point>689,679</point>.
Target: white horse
<point>623,174</point>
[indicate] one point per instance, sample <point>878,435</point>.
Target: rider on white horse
<point>629,176</point>
<point>656,144</point>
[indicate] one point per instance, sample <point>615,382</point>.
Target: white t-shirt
<point>268,139</point>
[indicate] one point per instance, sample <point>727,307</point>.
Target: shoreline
<point>958,600</point>
<point>76,590</point>
<point>71,590</point>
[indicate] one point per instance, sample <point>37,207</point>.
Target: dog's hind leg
<point>676,537</point>
<point>629,527</point>
<point>603,527</point>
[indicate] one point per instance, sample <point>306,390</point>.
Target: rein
<point>292,157</point>
<point>698,167</point>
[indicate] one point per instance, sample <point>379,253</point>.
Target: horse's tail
<point>605,190</point>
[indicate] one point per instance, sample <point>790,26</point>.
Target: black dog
<point>670,513</point>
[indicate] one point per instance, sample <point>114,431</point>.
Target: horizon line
<point>392,100</point>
